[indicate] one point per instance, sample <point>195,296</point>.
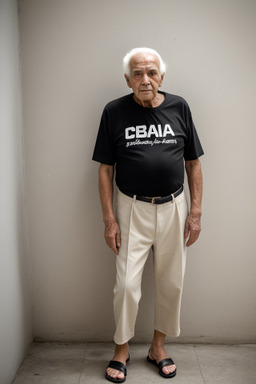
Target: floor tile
<point>52,364</point>
<point>227,364</point>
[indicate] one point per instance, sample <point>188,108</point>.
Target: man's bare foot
<point>121,355</point>
<point>158,353</point>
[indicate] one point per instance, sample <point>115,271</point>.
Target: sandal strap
<point>118,366</point>
<point>165,362</point>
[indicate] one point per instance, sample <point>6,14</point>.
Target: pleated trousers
<point>145,226</point>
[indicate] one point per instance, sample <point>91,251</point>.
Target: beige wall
<point>15,298</point>
<point>71,54</point>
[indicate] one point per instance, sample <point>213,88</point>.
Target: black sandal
<point>119,367</point>
<point>161,364</point>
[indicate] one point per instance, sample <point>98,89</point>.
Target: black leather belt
<point>157,199</point>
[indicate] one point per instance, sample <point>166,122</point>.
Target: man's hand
<point>192,229</point>
<point>112,235</point>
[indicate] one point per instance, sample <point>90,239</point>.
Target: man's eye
<point>152,73</point>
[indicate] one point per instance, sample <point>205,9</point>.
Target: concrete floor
<point>52,363</point>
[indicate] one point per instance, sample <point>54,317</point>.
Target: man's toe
<point>115,373</point>
<point>168,369</point>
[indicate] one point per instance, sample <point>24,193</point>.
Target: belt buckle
<point>154,198</point>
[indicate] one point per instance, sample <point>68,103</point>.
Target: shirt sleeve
<point>193,148</point>
<point>104,150</point>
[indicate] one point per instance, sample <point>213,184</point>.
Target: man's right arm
<point>112,231</point>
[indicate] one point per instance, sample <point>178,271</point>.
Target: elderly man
<point>148,136</point>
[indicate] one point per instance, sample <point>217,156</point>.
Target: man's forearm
<point>106,174</point>
<point>195,182</point>
<point>112,231</point>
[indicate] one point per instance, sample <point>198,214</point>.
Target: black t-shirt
<point>147,145</point>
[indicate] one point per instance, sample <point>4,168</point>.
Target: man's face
<point>145,78</point>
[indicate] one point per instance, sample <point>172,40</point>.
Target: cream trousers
<point>144,226</point>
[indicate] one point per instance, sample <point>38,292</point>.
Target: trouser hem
<point>123,341</point>
<point>167,333</point>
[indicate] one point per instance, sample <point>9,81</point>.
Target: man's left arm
<point>195,182</point>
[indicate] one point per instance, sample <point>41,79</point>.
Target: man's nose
<point>145,79</point>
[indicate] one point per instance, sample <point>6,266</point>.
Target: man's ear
<point>127,80</point>
<point>162,79</point>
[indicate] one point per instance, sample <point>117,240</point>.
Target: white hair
<point>134,51</point>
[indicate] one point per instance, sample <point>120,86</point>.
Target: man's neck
<point>153,103</point>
